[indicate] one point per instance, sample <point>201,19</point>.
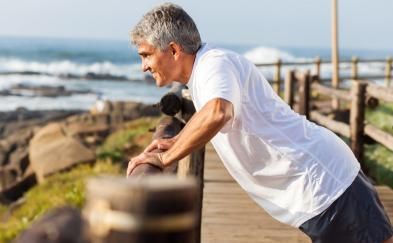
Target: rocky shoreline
<point>35,144</point>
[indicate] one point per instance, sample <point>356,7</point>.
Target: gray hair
<point>164,24</point>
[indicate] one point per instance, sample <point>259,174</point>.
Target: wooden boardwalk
<point>230,216</point>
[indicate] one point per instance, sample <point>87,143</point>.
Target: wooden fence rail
<point>317,62</point>
<point>145,208</point>
<point>358,96</point>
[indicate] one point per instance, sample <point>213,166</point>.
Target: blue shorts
<point>357,216</point>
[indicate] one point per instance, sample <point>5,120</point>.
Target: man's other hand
<point>145,158</point>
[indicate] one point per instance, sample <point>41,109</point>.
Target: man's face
<point>160,63</point>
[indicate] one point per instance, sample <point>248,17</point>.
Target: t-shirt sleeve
<point>219,78</point>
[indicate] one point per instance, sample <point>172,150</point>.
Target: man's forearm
<point>199,130</point>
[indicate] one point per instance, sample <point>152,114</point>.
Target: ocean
<point>107,69</point>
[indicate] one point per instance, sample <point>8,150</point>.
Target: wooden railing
<point>359,96</point>
<point>317,62</point>
<point>152,209</point>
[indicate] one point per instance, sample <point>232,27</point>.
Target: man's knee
<point>390,240</point>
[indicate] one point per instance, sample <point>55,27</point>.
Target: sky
<point>364,24</point>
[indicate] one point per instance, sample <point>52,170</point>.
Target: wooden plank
<point>380,136</point>
<point>380,92</point>
<point>341,94</point>
<point>335,126</point>
<point>230,216</point>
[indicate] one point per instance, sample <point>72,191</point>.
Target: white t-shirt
<point>290,166</point>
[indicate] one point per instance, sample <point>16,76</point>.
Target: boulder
<point>51,150</point>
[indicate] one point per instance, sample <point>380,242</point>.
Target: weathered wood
<point>357,116</point>
<point>277,77</point>
<point>388,71</point>
<point>289,87</point>
<point>371,102</point>
<point>318,68</point>
<point>152,209</point>
<point>340,94</point>
<point>171,102</point>
<point>231,216</point>
<point>380,92</point>
<point>335,126</point>
<point>304,94</point>
<point>335,55</point>
<point>193,164</point>
<point>363,77</point>
<point>380,136</point>
<point>354,68</point>
<point>326,61</point>
<point>188,108</point>
<point>168,127</point>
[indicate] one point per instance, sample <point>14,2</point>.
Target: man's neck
<point>186,71</point>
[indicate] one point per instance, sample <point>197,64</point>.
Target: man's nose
<point>145,67</point>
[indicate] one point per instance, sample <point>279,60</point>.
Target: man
<point>300,173</point>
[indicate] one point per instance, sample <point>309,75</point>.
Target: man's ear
<point>175,49</point>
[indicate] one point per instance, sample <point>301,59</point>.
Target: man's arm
<point>198,131</point>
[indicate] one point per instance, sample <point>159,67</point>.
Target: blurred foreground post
<point>150,209</point>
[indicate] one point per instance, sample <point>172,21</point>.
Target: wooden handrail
<point>380,92</point>
<point>336,126</point>
<point>341,94</point>
<point>309,62</point>
<point>380,136</point>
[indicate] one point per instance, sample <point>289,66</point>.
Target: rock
<point>51,150</point>
<point>61,225</point>
<point>7,177</point>
<point>18,127</point>
<point>40,90</point>
<point>17,186</point>
<point>13,121</point>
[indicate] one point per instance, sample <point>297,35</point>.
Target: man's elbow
<point>223,112</point>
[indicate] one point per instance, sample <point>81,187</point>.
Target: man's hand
<point>145,158</point>
<point>160,143</point>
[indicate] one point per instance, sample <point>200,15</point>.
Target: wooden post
<point>288,88</point>
<point>304,94</point>
<point>318,68</point>
<point>150,209</point>
<point>358,92</point>
<point>277,77</point>
<point>388,71</point>
<point>335,55</point>
<point>354,68</point>
<point>193,166</point>
<point>171,102</point>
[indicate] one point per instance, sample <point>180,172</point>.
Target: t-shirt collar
<point>198,55</point>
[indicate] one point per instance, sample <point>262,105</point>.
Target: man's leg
<point>356,216</point>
